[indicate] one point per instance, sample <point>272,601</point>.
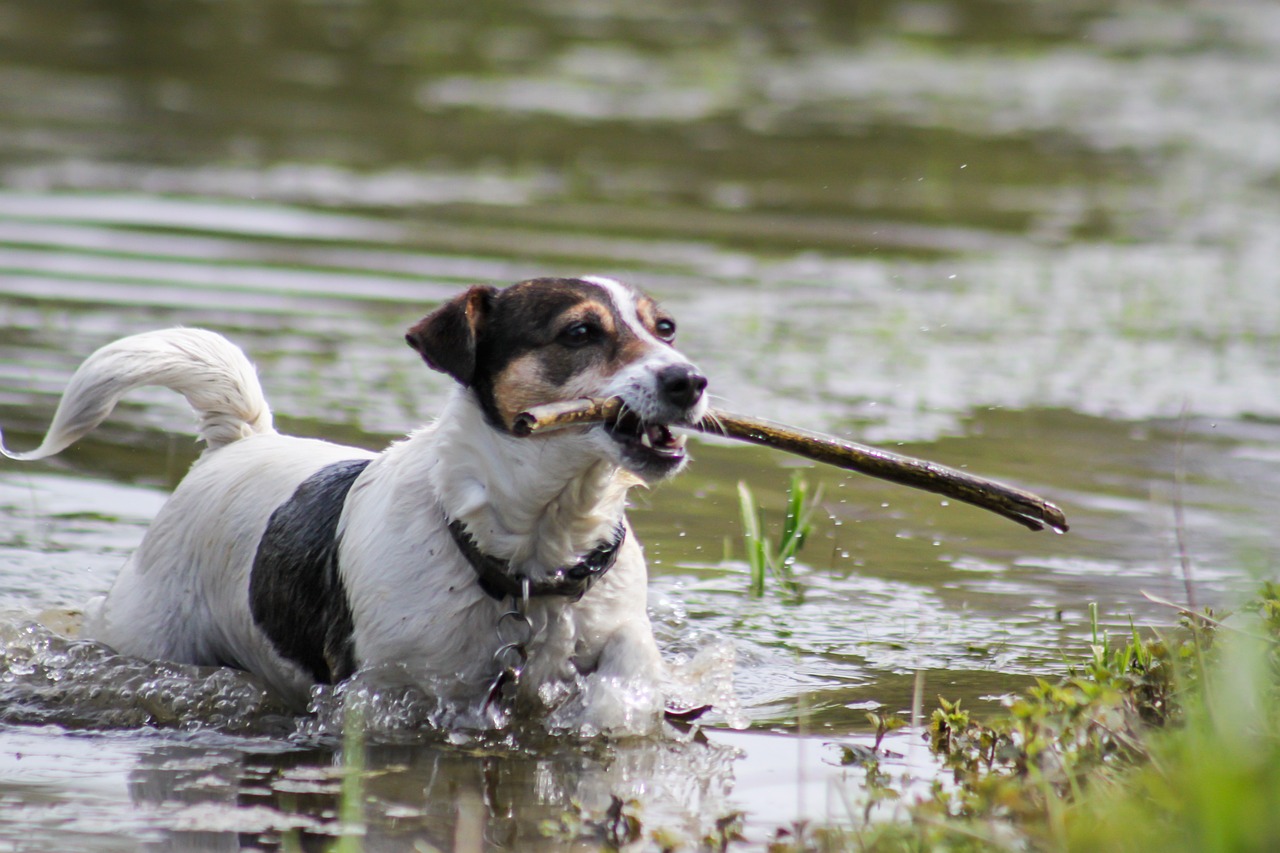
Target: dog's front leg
<point>628,654</point>
<point>620,684</point>
<point>550,674</point>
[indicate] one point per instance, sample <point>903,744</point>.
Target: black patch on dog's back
<point>295,592</point>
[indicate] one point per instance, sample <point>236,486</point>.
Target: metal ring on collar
<point>521,654</point>
<point>522,624</point>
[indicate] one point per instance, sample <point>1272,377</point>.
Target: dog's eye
<point>665,329</point>
<point>578,334</point>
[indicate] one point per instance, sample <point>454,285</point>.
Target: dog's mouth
<point>648,448</point>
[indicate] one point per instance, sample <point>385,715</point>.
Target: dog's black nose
<point>681,385</point>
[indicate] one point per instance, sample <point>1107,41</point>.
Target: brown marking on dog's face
<point>548,340</point>
<point>573,351</point>
<point>519,387</point>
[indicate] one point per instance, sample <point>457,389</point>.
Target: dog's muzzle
<point>643,429</point>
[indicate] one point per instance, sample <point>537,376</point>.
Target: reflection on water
<point>217,792</point>
<point>204,751</point>
<point>1036,240</point>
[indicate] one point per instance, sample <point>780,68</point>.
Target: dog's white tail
<point>211,372</point>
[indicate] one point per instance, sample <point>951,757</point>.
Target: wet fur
<point>205,586</point>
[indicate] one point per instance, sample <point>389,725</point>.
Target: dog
<point>481,566</point>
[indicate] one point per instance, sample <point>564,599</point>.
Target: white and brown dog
<point>304,561</point>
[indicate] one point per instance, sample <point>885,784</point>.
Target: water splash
<point>50,678</point>
<point>46,678</point>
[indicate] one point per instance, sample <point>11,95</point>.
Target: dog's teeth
<point>678,442</point>
<point>646,440</point>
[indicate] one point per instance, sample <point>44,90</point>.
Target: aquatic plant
<point>1213,784</point>
<point>1164,742</point>
<point>763,560</point>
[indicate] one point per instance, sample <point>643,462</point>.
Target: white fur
<point>417,609</point>
<point>213,374</point>
<point>633,382</point>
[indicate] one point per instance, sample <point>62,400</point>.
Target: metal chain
<point>513,652</point>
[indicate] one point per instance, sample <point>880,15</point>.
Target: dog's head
<point>552,339</point>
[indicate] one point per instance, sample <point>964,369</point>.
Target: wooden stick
<point>553,416</point>
<point>1027,509</point>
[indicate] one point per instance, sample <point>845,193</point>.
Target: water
<point>1033,240</point>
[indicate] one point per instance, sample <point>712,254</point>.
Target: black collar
<point>499,582</point>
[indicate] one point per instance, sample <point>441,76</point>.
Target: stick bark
<point>1028,509</point>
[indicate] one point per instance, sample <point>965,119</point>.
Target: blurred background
<point>915,210</point>
<point>1041,240</point>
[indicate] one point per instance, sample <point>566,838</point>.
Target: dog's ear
<point>446,338</point>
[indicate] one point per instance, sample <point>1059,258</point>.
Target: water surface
<point>1035,240</point>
